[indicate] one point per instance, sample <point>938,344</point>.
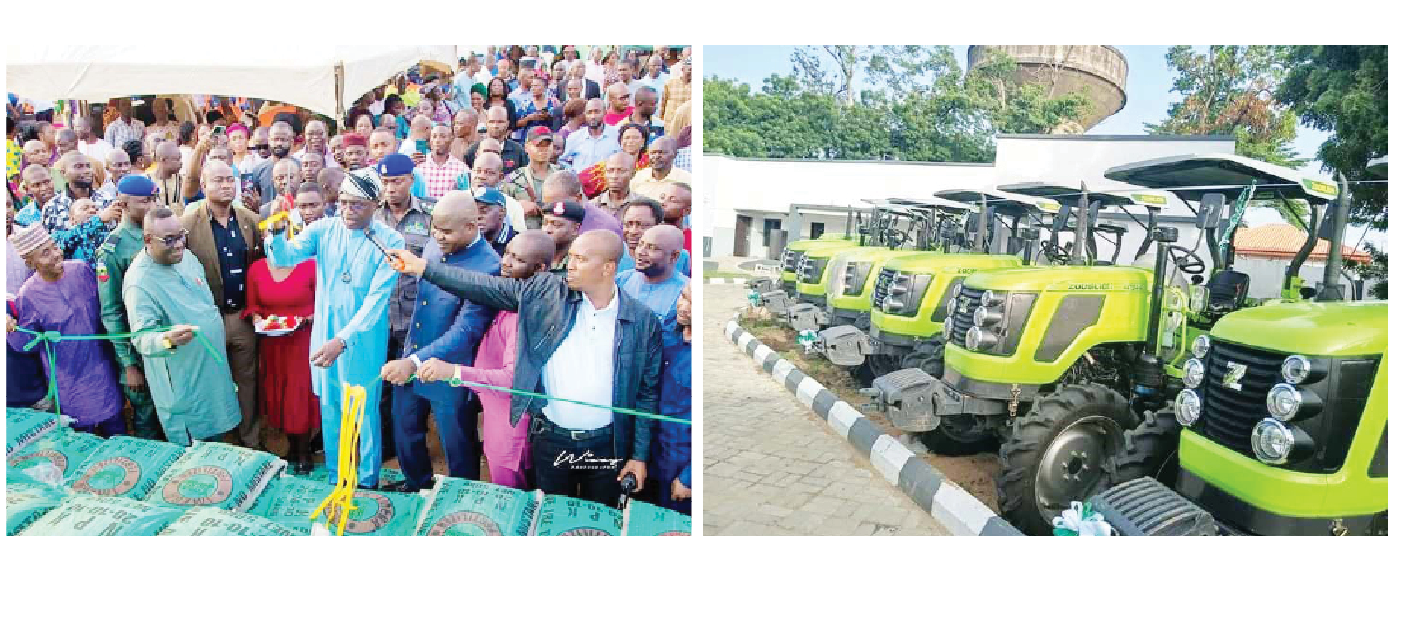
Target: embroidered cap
<point>26,240</point>
<point>364,183</point>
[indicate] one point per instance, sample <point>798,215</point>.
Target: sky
<point>1148,85</point>
<point>1148,90</point>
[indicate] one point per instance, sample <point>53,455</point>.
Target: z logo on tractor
<point>1234,372</point>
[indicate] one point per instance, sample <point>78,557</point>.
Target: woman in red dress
<point>285,379</point>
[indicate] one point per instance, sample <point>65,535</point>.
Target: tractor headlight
<point>990,299</point>
<point>987,316</point>
<point>1201,345</point>
<point>1192,373</point>
<point>953,302</point>
<point>947,329</point>
<point>906,293</point>
<point>1285,402</point>
<point>978,339</point>
<point>1300,370</point>
<point>1187,408</point>
<point>1274,442</point>
<point>855,275</point>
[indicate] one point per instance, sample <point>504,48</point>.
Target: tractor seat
<point>1227,290</point>
<point>1112,228</point>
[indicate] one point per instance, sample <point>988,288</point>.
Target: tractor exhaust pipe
<point>1081,226</point>
<point>1332,290</point>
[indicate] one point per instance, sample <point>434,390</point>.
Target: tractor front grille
<point>961,319</point>
<point>881,288</point>
<point>1229,414</point>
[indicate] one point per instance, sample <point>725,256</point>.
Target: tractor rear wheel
<point>1061,451</point>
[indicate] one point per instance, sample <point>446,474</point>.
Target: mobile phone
<point>422,146</point>
<point>218,130</point>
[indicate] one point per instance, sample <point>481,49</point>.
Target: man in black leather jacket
<point>579,338</point>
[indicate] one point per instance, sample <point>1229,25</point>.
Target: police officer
<point>136,194</point>
<point>407,214</point>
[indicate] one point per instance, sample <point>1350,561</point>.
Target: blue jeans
<point>580,468</point>
<point>458,435</point>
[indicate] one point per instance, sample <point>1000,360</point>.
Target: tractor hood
<point>1324,329</point>
<point>1100,279</point>
<point>955,263</point>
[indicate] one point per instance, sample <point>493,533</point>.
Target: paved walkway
<point>770,466</point>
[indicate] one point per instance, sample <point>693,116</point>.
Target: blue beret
<point>489,195</point>
<point>395,164</point>
<point>136,185</point>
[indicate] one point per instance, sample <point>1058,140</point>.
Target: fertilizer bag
<point>289,501</point>
<point>216,474</point>
<point>458,507</point>
<point>563,516</point>
<point>24,425</point>
<point>645,519</point>
<point>27,501</point>
<point>65,448</point>
<point>87,515</point>
<point>210,521</point>
<point>124,466</point>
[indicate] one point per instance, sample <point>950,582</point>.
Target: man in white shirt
<point>582,342</point>
<point>125,127</point>
<point>89,142</point>
<point>591,143</point>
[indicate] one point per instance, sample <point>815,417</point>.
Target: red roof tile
<point>1282,240</point>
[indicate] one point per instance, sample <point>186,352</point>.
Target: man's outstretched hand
<point>407,262</point>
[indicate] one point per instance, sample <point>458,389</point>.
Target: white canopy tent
<point>326,79</point>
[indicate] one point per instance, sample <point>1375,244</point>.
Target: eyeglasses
<point>261,147</point>
<point>173,240</point>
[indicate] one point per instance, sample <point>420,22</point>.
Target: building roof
<point>1282,240</point>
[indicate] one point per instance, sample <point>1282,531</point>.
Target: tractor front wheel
<point>1061,451</point>
<point>1150,449</point>
<point>959,435</point>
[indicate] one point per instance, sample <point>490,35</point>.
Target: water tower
<point>1100,71</point>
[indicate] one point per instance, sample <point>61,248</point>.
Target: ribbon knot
<point>50,335</point>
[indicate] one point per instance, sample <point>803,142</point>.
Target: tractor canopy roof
<point>1192,176</point>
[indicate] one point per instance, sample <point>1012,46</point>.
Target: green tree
<point>1343,89</point>
<point>906,102</point>
<point>1230,90</point>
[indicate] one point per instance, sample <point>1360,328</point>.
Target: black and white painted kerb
<point>726,281</point>
<point>952,506</point>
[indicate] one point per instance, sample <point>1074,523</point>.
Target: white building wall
<point>757,187</point>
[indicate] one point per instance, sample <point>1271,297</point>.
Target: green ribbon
<point>52,336</point>
<point>456,382</point>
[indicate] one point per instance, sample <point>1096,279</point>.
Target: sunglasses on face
<point>173,240</point>
<point>261,147</point>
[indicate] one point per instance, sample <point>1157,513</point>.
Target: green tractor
<point>1057,363</point>
<point>892,227</point>
<point>852,274</point>
<point>909,293</point>
<point>778,296</point>
<point>1280,425</point>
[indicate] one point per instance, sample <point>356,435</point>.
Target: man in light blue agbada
<point>350,316</point>
<point>165,289</point>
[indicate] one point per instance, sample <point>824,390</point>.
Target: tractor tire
<point>862,374</point>
<point>1150,449</point>
<point>1061,451</point>
<point>959,435</point>
<point>881,364</point>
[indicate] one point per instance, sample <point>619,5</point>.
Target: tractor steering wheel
<point>1188,261</point>
<point>902,236</point>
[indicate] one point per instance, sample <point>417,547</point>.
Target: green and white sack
<point>645,519</point>
<point>458,507</point>
<point>124,466</point>
<point>87,515</point>
<point>289,500</point>
<point>25,425</point>
<point>65,448</point>
<point>563,516</point>
<point>216,474</point>
<point>210,521</point>
<point>27,501</point>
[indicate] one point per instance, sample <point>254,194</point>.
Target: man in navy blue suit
<point>445,327</point>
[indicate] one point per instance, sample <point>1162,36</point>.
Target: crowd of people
<point>504,247</point>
